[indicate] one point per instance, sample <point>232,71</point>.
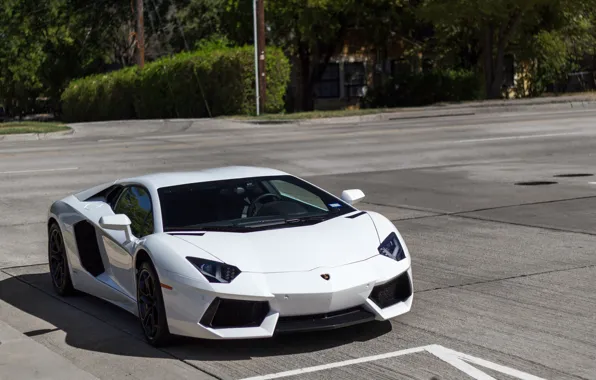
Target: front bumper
<point>262,305</point>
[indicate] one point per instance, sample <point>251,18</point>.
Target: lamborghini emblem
<point>325,277</point>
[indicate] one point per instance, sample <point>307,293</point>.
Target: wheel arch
<point>52,220</point>
<point>142,256</point>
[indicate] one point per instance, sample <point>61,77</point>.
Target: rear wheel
<point>58,262</point>
<point>152,313</point>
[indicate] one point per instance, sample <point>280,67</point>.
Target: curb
<point>37,136</point>
<point>23,358</point>
<point>438,111</point>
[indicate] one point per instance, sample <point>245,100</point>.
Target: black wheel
<point>152,312</point>
<point>58,262</point>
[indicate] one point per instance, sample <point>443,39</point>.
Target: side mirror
<point>118,222</point>
<point>352,196</point>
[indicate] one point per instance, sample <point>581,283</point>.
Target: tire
<point>152,311</point>
<point>58,262</point>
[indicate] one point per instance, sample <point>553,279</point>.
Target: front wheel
<point>152,313</point>
<point>59,271</point>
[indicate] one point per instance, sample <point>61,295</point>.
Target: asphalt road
<point>503,273</point>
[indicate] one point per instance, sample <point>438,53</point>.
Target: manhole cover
<point>536,183</point>
<point>574,175</point>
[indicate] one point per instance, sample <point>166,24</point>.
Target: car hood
<point>332,243</point>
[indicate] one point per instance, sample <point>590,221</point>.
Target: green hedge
<point>424,88</point>
<point>209,82</point>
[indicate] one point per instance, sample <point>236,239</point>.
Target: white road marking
<point>456,362</point>
<point>592,183</point>
<point>159,137</point>
<point>338,364</point>
<point>517,137</point>
<point>454,355</point>
<point>39,170</point>
<point>456,359</point>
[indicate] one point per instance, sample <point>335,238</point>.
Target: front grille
<point>327,321</point>
<point>225,313</point>
<point>397,290</point>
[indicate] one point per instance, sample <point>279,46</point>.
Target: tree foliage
<point>209,82</point>
<point>498,25</point>
<point>46,44</point>
<point>312,31</point>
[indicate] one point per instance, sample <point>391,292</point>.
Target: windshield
<point>247,204</point>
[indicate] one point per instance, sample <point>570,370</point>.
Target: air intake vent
<point>225,313</point>
<point>397,290</point>
<point>356,215</point>
<point>88,248</point>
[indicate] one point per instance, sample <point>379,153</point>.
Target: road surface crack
<point>508,278</point>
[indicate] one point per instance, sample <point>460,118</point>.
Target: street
<point>498,211</point>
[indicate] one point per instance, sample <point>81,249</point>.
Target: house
<point>352,71</point>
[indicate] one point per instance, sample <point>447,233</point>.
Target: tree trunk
<point>307,103</point>
<point>494,68</point>
<point>498,73</point>
<point>313,65</point>
<point>488,60</point>
<point>10,96</point>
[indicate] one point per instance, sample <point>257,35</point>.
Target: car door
<point>134,202</point>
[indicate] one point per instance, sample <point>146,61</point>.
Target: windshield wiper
<point>206,228</point>
<point>307,219</point>
<point>280,221</point>
<point>253,224</point>
<point>260,223</point>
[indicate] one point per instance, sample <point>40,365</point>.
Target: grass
<point>372,111</point>
<point>30,127</point>
<point>316,114</point>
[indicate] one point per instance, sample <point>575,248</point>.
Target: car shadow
<point>95,325</point>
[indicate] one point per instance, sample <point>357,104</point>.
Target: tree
<point>498,23</point>
<point>192,21</point>
<point>45,44</point>
<point>85,37</point>
<point>22,24</point>
<point>312,31</point>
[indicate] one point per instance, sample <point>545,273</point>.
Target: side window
<point>298,193</point>
<point>135,203</point>
<point>112,196</point>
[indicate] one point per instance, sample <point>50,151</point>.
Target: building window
<point>328,86</point>
<point>355,79</point>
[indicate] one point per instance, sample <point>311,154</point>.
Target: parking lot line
<point>461,361</point>
<point>521,137</point>
<point>457,358</point>
<point>323,367</point>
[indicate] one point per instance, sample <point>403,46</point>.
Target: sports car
<point>229,253</point>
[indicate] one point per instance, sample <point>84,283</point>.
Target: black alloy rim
<point>57,259</point>
<point>148,304</point>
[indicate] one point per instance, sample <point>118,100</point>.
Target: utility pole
<point>140,35</point>
<point>260,5</point>
<point>256,38</point>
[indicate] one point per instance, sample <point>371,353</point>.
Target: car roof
<point>166,179</point>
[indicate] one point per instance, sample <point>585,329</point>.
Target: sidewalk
<point>23,358</point>
<point>120,128</point>
<point>560,103</point>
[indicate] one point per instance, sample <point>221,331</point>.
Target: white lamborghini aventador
<point>229,253</point>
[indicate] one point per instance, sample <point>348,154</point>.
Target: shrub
<point>419,89</point>
<point>213,81</point>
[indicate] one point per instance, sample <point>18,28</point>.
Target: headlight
<point>392,248</point>
<point>215,271</point>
